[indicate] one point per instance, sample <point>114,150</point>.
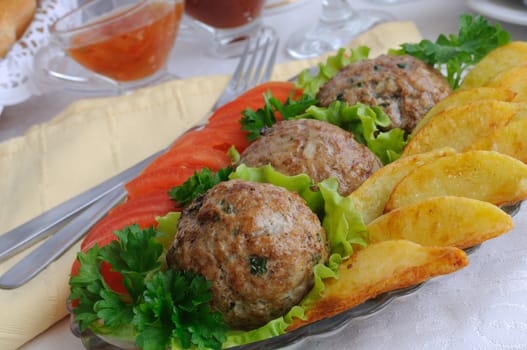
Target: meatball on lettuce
<point>257,243</point>
<point>405,87</point>
<point>315,148</point>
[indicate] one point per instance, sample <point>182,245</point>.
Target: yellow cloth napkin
<point>92,140</point>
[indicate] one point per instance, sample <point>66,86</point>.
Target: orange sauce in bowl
<point>131,48</point>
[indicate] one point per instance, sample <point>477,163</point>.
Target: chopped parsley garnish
<point>257,264</point>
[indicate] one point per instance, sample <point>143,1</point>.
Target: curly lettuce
<point>312,83</point>
<point>367,125</point>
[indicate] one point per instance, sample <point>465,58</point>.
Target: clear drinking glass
<point>337,25</point>
<point>109,46</point>
<point>230,23</point>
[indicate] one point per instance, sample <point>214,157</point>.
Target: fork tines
<point>262,48</point>
<point>255,65</point>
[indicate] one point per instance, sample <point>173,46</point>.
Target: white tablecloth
<point>484,306</point>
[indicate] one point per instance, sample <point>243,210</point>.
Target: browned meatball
<point>257,243</point>
<point>404,86</point>
<point>316,148</point>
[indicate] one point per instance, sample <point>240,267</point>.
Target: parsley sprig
<point>197,184</point>
<point>177,309</point>
<point>454,54</point>
<point>256,121</point>
<point>165,307</point>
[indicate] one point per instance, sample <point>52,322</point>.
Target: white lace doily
<point>17,66</point>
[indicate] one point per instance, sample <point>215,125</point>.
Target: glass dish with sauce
<point>110,46</point>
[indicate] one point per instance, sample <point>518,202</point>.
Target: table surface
<point>480,307</point>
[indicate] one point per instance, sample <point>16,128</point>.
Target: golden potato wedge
<point>442,221</point>
<point>496,61</point>
<point>370,198</point>
<point>510,140</point>
<point>458,127</point>
<point>462,97</point>
<point>485,175</point>
<point>380,268</point>
<point>514,79</point>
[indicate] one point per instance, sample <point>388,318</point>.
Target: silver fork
<point>255,66</point>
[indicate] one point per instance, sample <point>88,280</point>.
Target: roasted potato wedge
<point>495,62</point>
<point>370,198</point>
<point>510,140</point>
<point>462,97</point>
<point>514,79</point>
<point>380,268</point>
<point>442,221</point>
<point>485,175</point>
<point>458,127</point>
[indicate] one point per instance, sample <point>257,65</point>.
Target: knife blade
<point>63,239</point>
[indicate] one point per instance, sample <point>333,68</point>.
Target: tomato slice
<point>159,180</point>
<point>220,138</point>
<point>190,156</point>
<point>254,98</point>
<point>142,210</point>
<point>113,279</point>
<point>151,202</point>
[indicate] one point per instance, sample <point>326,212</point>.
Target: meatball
<point>404,86</point>
<point>319,149</point>
<point>257,243</point>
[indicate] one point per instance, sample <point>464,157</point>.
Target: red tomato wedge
<point>254,98</point>
<point>221,138</point>
<point>159,180</point>
<point>112,278</point>
<point>142,210</point>
<point>190,156</point>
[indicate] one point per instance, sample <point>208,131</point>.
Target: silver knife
<point>40,258</point>
<point>40,227</point>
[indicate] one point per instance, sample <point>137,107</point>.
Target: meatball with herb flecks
<point>316,148</point>
<point>257,243</point>
<point>405,87</point>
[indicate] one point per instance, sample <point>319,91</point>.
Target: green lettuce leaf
<point>167,228</point>
<point>311,84</point>
<point>271,329</point>
<point>301,183</point>
<point>343,224</point>
<point>367,125</point>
